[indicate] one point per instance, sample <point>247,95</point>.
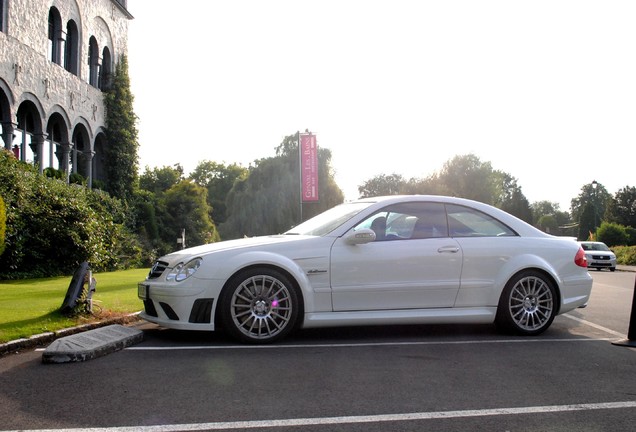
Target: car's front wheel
<point>259,305</point>
<point>528,304</point>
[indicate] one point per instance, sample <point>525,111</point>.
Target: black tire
<point>612,269</point>
<point>528,304</point>
<point>259,305</point>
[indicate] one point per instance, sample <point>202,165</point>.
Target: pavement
<point>97,339</point>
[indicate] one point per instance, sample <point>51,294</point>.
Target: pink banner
<point>309,167</point>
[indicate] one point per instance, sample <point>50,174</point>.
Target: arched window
<point>55,36</point>
<point>93,62</point>
<point>105,70</point>
<point>2,17</point>
<point>71,53</point>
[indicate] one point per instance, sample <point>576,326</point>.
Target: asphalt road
<point>406,378</point>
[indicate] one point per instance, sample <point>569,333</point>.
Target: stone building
<point>56,58</point>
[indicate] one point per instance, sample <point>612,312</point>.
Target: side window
<point>2,18</point>
<point>416,220</point>
<point>467,222</point>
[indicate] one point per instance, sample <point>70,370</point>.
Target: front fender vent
<point>149,306</point>
<point>170,313</point>
<point>201,312</point>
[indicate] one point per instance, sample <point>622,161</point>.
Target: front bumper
<point>601,262</point>
<point>183,307</point>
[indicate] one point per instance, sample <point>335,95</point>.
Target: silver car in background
<point>599,256</point>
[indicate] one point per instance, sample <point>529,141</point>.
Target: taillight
<point>580,259</point>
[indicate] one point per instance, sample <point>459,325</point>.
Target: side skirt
<point>483,315</point>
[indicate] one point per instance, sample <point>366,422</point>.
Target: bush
<point>76,178</point>
<point>3,224</point>
<point>52,227</point>
<point>612,234</point>
<point>631,236</point>
<point>625,255</point>
<point>53,173</point>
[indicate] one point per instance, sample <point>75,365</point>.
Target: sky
<point>543,90</point>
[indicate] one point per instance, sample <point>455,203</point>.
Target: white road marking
<point>355,345</point>
<point>322,421</point>
<point>596,326</point>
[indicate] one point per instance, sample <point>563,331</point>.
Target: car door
<point>412,264</point>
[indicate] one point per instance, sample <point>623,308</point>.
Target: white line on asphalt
<point>596,326</point>
<point>354,345</point>
<point>436,415</point>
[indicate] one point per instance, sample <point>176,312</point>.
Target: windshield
<point>595,247</point>
<point>328,221</point>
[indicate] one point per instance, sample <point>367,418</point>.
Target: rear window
<point>468,222</point>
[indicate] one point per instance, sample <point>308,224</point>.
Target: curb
<point>13,347</point>
<point>91,344</point>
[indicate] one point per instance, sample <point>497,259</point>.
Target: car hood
<point>244,243</point>
<point>599,252</point>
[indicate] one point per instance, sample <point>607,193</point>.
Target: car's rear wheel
<point>259,305</point>
<point>528,304</point>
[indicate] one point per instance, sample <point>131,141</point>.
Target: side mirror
<point>361,236</point>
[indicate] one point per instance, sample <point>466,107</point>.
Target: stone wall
<point>28,74</point>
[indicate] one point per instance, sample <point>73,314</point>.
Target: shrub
<point>53,173</point>
<point>52,227</point>
<point>631,236</point>
<point>76,178</point>
<point>3,224</point>
<point>625,255</point>
<point>612,234</point>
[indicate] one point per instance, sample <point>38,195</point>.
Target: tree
<point>548,217</point>
<point>587,225</point>
<point>545,208</point>
<point>463,176</point>
<point>121,121</point>
<point>218,179</point>
<point>382,184</point>
<point>167,204</point>
<point>267,200</point>
<point>158,180</point>
<point>621,208</point>
<point>508,196</point>
<point>468,177</point>
<point>188,209</point>
<point>595,196</point>
<point>548,223</point>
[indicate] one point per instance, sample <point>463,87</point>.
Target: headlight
<point>181,271</point>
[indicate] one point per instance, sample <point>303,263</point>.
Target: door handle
<point>448,249</point>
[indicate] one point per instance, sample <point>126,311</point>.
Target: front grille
<point>201,312</point>
<point>157,269</point>
<point>600,257</point>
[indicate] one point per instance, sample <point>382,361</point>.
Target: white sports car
<point>389,260</point>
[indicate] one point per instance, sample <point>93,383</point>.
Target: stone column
<point>63,157</point>
<point>37,145</point>
<point>7,134</point>
<point>89,168</point>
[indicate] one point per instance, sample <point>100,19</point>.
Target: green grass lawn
<point>30,307</point>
